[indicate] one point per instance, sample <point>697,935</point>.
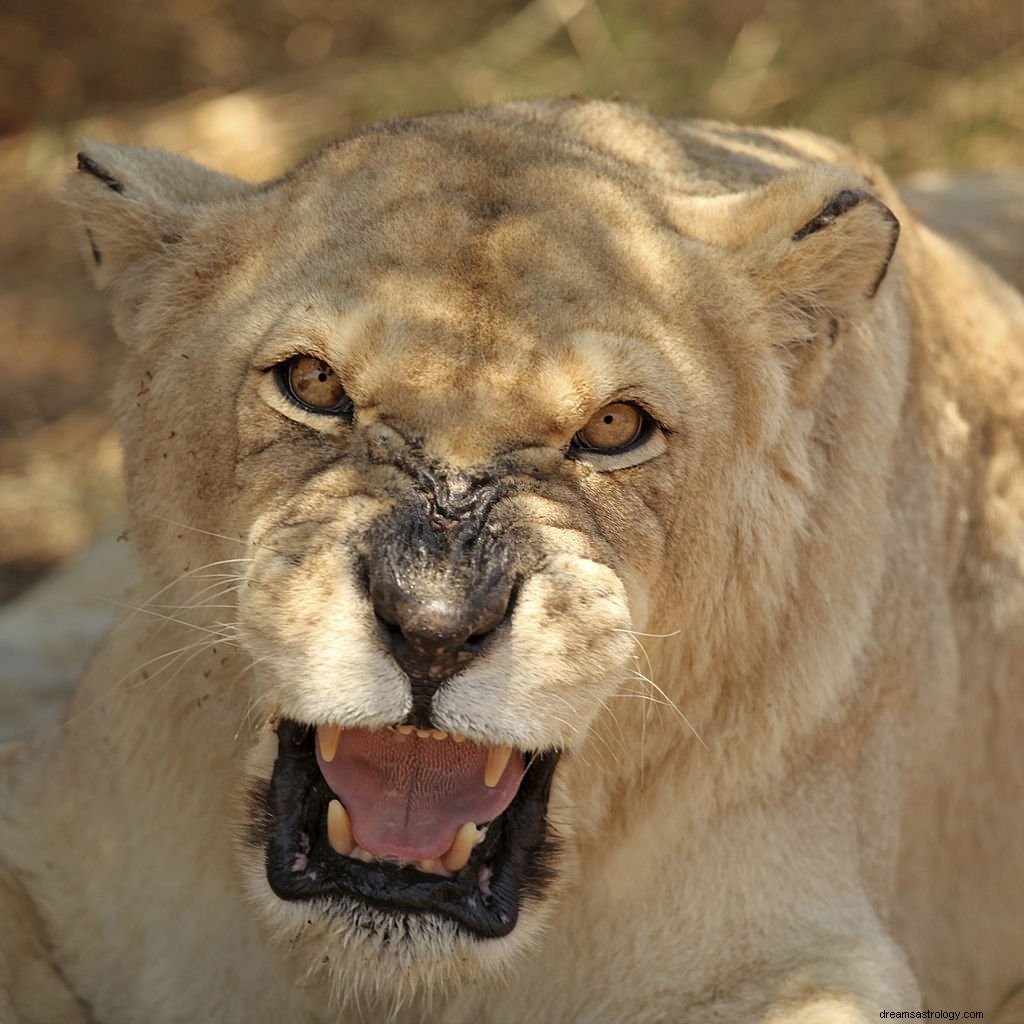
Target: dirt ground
<point>251,86</point>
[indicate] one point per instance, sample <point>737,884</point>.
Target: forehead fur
<point>568,253</point>
<point>508,243</point>
<point>546,195</point>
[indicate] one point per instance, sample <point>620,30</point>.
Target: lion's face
<point>465,393</point>
<point>448,572</point>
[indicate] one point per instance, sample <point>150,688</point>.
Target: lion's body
<point>778,639</point>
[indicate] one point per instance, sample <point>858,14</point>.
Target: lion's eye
<point>612,428</point>
<point>313,384</point>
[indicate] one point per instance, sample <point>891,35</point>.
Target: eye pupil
<point>615,427</point>
<point>313,384</point>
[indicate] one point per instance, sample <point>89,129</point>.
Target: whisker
<point>197,529</point>
<point>651,636</point>
<point>169,618</point>
<point>197,650</point>
<point>214,592</point>
<point>667,701</point>
<point>213,533</point>
<point>111,692</point>
<point>180,579</point>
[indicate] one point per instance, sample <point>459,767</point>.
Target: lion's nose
<point>435,631</point>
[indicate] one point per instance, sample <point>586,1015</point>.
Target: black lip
<point>301,864</point>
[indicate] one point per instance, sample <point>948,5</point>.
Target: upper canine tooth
<point>497,761</point>
<point>339,829</point>
<point>462,846</point>
<point>327,736</point>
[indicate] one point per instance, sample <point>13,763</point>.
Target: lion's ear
<point>134,206</point>
<point>816,242</point>
<point>830,266</point>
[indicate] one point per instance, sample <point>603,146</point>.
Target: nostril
<point>433,635</point>
<point>386,626</point>
<point>477,641</point>
<point>494,608</point>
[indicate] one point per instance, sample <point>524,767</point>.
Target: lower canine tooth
<point>327,736</point>
<point>339,829</point>
<point>462,846</point>
<point>497,762</point>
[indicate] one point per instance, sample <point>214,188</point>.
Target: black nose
<point>435,628</point>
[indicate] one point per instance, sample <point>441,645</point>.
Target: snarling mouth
<point>409,821</point>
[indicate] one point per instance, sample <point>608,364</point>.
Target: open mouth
<point>409,820</point>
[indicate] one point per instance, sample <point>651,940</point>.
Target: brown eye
<point>313,384</point>
<point>612,428</point>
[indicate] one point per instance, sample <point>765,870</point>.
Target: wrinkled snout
<point>440,588</point>
<point>436,624</point>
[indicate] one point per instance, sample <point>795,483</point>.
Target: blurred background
<point>251,85</point>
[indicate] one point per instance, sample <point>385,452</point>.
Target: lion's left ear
<point>829,267</point>
<point>816,242</point>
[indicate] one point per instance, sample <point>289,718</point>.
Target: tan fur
<point>780,644</point>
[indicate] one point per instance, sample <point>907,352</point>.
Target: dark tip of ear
<point>96,254</point>
<point>87,164</point>
<point>841,203</point>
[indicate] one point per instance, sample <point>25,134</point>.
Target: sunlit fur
<point>778,643</point>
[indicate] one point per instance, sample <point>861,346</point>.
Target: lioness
<point>582,580</point>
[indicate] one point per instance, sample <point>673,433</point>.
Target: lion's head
<point>497,420</point>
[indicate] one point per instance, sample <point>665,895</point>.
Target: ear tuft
<point>87,164</point>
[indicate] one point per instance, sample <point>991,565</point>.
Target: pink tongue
<point>407,797</point>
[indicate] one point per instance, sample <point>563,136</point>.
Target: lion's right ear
<point>134,205</point>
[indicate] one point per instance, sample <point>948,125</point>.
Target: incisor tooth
<point>327,736</point>
<point>428,865</point>
<point>497,761</point>
<point>462,846</point>
<point>407,730</point>
<point>339,829</point>
<point>457,737</point>
<point>439,734</point>
<point>423,734</point>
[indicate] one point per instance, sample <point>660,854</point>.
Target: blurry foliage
<point>251,85</point>
<point>912,82</point>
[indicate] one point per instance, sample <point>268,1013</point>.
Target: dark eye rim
<point>344,408</point>
<point>578,448</point>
